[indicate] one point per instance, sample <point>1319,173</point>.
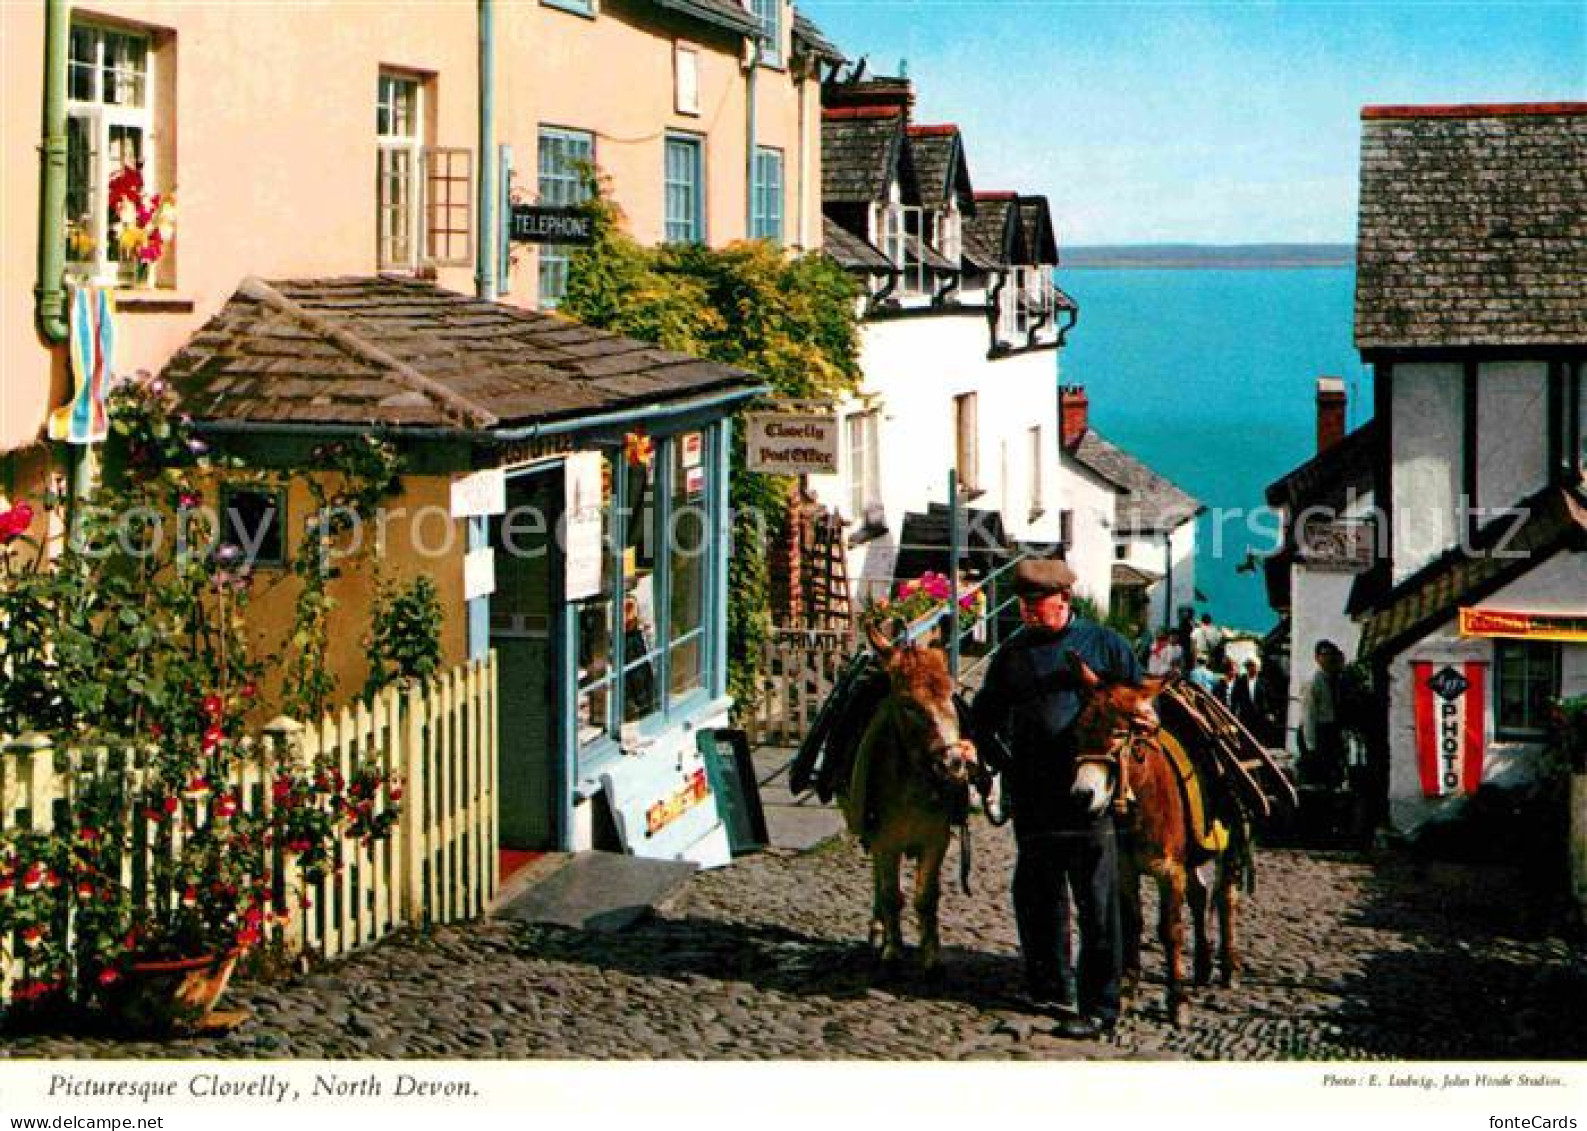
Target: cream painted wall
<point>1149,553</point>
<point>1557,585</point>
<point>273,161</point>
<point>1426,460</point>
<point>614,76</point>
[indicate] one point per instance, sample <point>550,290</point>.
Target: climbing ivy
<point>791,320</point>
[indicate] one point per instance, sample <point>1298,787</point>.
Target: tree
<point>790,320</point>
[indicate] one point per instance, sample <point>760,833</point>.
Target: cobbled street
<point>1347,956</point>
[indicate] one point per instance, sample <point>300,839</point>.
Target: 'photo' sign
<point>788,444</point>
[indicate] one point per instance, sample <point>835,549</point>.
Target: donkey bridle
<point>1126,741</point>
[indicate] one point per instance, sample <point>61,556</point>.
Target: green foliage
<point>405,634</point>
<point>790,321</point>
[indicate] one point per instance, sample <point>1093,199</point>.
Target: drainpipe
<point>1168,579</point>
<point>485,245</point>
<point>50,294</point>
<point>804,154</point>
<point>749,138</point>
<point>1063,331</point>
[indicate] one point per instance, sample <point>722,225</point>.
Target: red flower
<point>109,977</point>
<point>250,689</point>
<point>85,889</point>
<point>6,884</point>
<point>190,896</point>
<point>395,791</point>
<point>226,806</point>
<point>33,878</point>
<point>88,833</point>
<point>212,738</point>
<point>126,185</point>
<point>156,730</point>
<point>15,522</point>
<point>213,706</point>
<point>32,935</point>
<point>171,805</point>
<point>247,937</point>
<point>197,787</point>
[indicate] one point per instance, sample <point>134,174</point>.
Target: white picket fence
<point>437,738</point>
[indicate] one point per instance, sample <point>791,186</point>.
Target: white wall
<point>1147,551</point>
<point>1317,612</point>
<point>1426,405</point>
<point>1557,585</point>
<point>915,367</point>
<point>1094,501</point>
<point>1512,426</point>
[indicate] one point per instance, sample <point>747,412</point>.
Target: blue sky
<point>1232,122</point>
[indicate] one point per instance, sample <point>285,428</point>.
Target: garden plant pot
<point>172,996</point>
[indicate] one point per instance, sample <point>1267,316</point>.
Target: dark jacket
<point>1030,701</point>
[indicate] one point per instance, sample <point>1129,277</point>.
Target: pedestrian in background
<point>1322,756</point>
<point>1029,702</point>
<point>1201,675</point>
<point>1165,654</point>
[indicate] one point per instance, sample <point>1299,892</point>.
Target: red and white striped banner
<point>1451,713</point>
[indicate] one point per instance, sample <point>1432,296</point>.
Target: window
<point>688,549</point>
<point>966,445</point>
<point>109,149</point>
<point>766,221</point>
<point>947,234</point>
<point>1527,678</point>
<point>449,207</point>
<point>659,516</point>
<point>685,79</point>
<point>1038,503</point>
<point>769,13</point>
<point>865,475</point>
<point>400,144</point>
<point>917,277</point>
<point>685,189</point>
<point>253,521</point>
<point>893,234</point>
<point>563,156</point>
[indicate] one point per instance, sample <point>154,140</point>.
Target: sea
<point>1209,376</point>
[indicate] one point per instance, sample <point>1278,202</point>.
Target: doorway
<point>524,614</point>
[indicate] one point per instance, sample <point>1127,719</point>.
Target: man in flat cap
<point>1031,699</point>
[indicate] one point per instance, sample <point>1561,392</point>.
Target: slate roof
<point>927,254</point>
<point>721,13</point>
<point>1325,479</point>
<point>397,353</point>
<point>923,543</point>
<point>1040,237</point>
<point>1152,505</point>
<point>993,235</point>
<point>850,250</point>
<point>1473,226</point>
<point>1126,576</point>
<point>859,154</point>
<point>1557,520</point>
<point>941,174</point>
<point>812,40</point>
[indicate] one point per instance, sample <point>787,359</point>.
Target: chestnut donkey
<point>1126,759</point>
<point>907,789</point>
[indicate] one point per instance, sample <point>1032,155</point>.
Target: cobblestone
<point>1347,957</point>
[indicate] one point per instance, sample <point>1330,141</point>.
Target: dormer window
<point>769,14</point>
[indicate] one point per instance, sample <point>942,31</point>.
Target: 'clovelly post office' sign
<point>544,223</point>
<point>792,443</point>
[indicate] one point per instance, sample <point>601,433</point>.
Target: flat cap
<point>1041,576</point>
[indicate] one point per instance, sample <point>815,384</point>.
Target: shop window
<point>688,550</point>
<point>1526,681</point>
<point>119,222</point>
<point>596,678</point>
<point>565,157</point>
<point>254,521</point>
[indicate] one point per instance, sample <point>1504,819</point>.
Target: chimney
<point>1072,413</point>
<point>1330,412</point>
<point>879,93</point>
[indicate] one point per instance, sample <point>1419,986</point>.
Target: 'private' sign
<point>543,223</point>
<point>787,444</point>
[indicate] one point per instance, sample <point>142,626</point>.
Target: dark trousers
<point>1051,864</point>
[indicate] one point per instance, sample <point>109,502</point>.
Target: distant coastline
<point>1184,256</point>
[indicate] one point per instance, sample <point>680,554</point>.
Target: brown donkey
<point>907,789</point>
<point>1126,759</point>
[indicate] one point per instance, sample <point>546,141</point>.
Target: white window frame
<point>559,187</point>
<point>1038,496</point>
<point>862,449</point>
<point>686,78</point>
<point>967,441</point>
<point>395,149</point>
<point>102,118</point>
